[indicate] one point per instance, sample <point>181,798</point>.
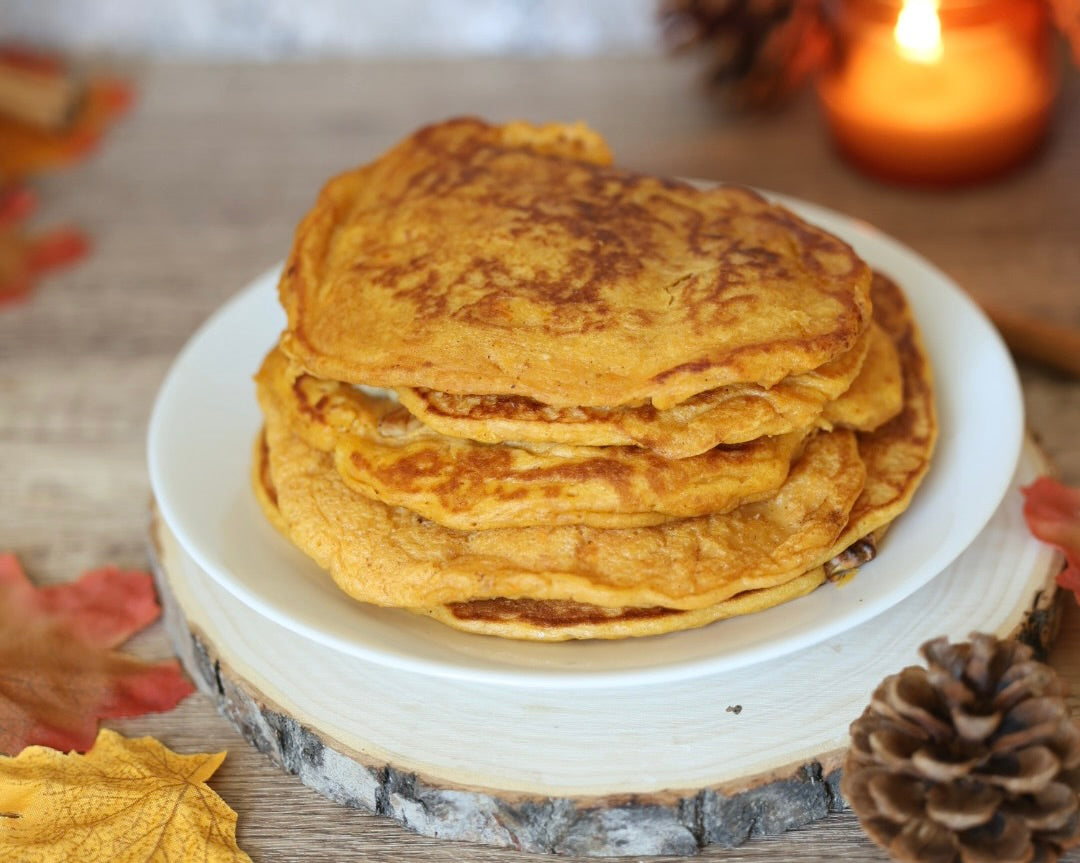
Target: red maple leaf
<point>1052,512</point>
<point>24,257</point>
<point>59,673</point>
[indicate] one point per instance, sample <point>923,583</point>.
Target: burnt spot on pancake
<point>263,464</point>
<point>551,613</point>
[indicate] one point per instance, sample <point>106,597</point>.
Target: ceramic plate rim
<point>931,293</point>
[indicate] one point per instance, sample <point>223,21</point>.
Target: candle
<point>940,95</point>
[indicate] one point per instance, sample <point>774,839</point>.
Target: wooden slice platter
<point>627,769</point>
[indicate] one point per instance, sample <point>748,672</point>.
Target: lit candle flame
<point>918,31</point>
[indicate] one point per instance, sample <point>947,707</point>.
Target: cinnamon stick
<point>1035,338</point>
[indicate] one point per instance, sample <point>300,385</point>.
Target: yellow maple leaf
<point>125,801</point>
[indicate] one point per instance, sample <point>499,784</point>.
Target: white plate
<point>205,420</point>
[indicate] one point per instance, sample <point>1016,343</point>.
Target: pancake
<point>896,456</point>
<point>263,485</point>
<point>898,453</point>
<point>877,394</point>
<point>514,261</point>
<point>728,415</point>
<point>538,620</point>
<point>383,453</point>
<point>391,556</point>
<point>561,620</point>
<point>531,395</point>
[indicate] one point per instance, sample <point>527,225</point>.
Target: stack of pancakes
<point>532,395</point>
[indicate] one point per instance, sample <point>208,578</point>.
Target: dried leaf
<point>24,257</point>
<point>1052,512</point>
<point>58,673</point>
<point>760,52</point>
<point>26,150</point>
<point>126,801</point>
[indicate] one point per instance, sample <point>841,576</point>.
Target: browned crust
<point>564,280</point>
<point>383,453</point>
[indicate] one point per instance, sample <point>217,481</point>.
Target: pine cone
<point>761,50</point>
<point>974,759</point>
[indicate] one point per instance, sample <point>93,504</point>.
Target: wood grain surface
<point>198,192</point>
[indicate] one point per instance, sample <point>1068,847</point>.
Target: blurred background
<point>285,29</point>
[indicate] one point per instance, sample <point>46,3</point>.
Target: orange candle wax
<point>925,97</point>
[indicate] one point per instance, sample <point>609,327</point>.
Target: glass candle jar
<point>940,92</point>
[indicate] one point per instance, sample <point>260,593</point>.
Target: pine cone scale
<point>1026,680</point>
<point>963,806</point>
<point>1053,808</point>
<point>1003,840</point>
<point>899,798</point>
<point>1035,720</point>
<point>951,658</point>
<point>975,727</point>
<point>925,841</point>
<point>942,768</point>
<point>893,748</point>
<point>1024,772</point>
<point>912,696</point>
<point>1063,836</point>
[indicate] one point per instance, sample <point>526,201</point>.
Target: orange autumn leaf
<point>125,801</point>
<point>26,150</point>
<point>24,257</point>
<point>59,673</point>
<point>1052,512</point>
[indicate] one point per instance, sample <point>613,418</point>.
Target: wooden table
<point>199,191</point>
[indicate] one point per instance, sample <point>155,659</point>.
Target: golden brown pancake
<point>877,394</point>
<point>391,556</point>
<point>382,452</point>
<point>263,484</point>
<point>561,620</point>
<point>727,415</point>
<point>483,259</point>
<point>857,395</point>
<point>897,454</point>
<point>551,620</point>
<point>575,341</point>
